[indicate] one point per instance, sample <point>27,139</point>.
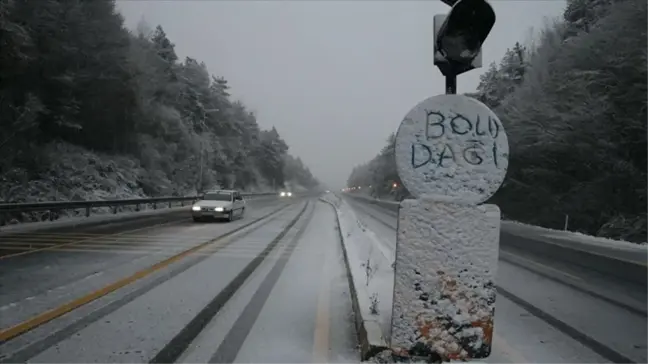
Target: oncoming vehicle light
<point>196,208</point>
<point>282,194</point>
<point>289,194</point>
<point>218,209</point>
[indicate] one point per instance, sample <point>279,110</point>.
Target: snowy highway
<point>547,311</point>
<point>271,287</point>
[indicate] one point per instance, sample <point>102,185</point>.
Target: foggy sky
<point>334,77</point>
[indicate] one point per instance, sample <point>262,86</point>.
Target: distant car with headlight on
<point>285,194</point>
<point>222,204</point>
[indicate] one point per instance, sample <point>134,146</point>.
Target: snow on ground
<point>371,266</point>
<point>105,217</point>
<point>72,173</point>
<point>572,235</point>
<point>444,290</point>
<point>372,270</point>
<point>510,225</point>
<point>388,356</point>
<point>75,220</point>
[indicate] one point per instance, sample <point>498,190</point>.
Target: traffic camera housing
<point>461,34</point>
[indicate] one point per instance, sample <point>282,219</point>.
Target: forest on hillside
<point>89,109</point>
<point>573,103</point>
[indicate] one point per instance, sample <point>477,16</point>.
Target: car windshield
<point>218,197</point>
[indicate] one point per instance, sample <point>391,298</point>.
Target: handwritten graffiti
<point>477,143</point>
<point>437,125</point>
<point>473,153</point>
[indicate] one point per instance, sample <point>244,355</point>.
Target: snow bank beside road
<point>72,173</point>
<point>371,288</point>
<point>73,221</point>
<point>522,228</point>
<point>511,225</point>
<point>372,275</point>
<point>79,218</point>
<point>389,357</point>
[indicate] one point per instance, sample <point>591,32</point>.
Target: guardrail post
<point>154,206</point>
<point>87,211</point>
<point>51,215</point>
<point>451,154</point>
<point>566,222</point>
<point>137,207</point>
<point>169,204</point>
<point>114,209</point>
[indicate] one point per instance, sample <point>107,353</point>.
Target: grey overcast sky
<point>334,77</point>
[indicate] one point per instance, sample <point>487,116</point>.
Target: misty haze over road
<point>334,77</point>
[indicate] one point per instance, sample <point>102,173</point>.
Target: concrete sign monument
<point>452,155</point>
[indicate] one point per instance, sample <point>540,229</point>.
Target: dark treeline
<point>574,107</point>
<point>89,109</point>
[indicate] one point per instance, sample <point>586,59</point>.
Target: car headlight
<point>218,209</point>
<point>195,208</point>
<point>289,194</point>
<point>283,194</point>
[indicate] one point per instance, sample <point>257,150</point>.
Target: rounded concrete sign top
<point>452,148</point>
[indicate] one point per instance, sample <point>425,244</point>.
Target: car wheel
<point>197,219</point>
<point>230,216</point>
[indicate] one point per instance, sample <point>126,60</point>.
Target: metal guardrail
<point>608,260</point>
<point>388,205</point>
<point>89,205</point>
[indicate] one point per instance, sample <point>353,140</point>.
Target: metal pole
<point>202,150</point>
<point>201,168</point>
<point>451,84</point>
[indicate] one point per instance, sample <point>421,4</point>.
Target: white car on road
<point>222,204</point>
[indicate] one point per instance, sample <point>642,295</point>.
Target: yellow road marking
<point>529,261</point>
<point>65,239</point>
<point>29,324</point>
<point>237,253</point>
<point>128,244</point>
<point>177,239</point>
<point>38,235</point>
<point>62,235</point>
<point>323,320</point>
<point>83,240</point>
<point>60,238</point>
<point>119,245</point>
<point>17,245</point>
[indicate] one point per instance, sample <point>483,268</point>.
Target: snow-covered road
<point>43,269</point>
<point>273,291</point>
<point>547,311</point>
<point>295,309</point>
<point>271,287</point>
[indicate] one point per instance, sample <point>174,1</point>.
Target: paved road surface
<point>41,270</point>
<point>549,312</point>
<point>274,291</point>
<point>306,316</point>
